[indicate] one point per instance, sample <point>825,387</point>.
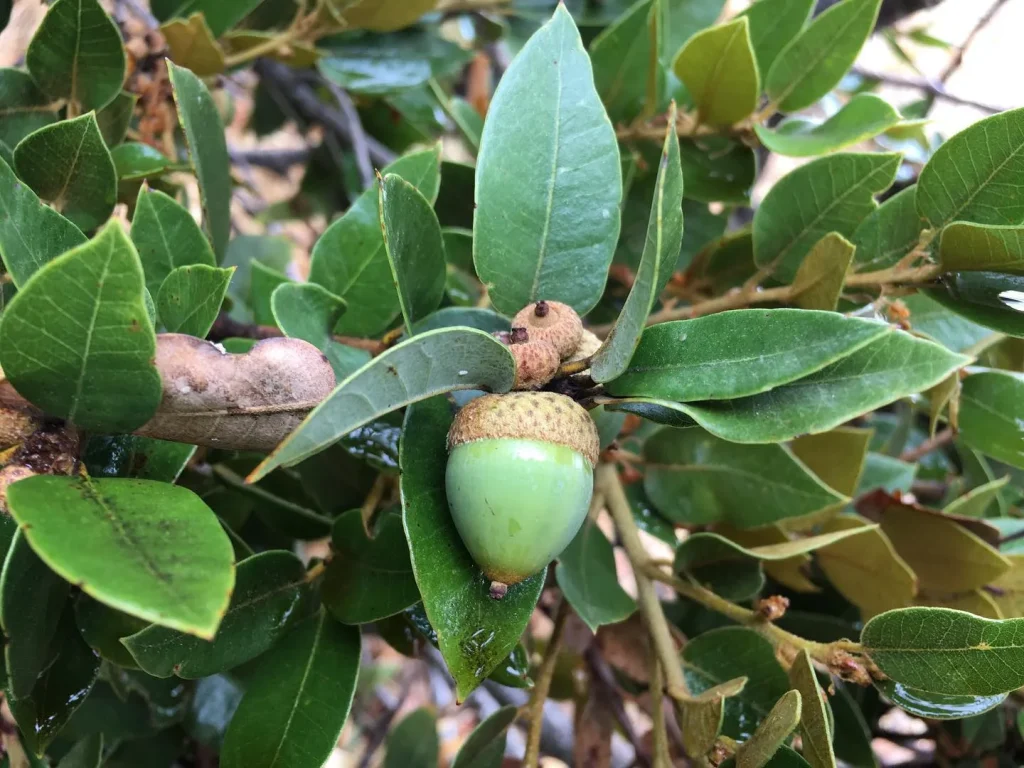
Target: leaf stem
<point>572,368</point>
<point>542,685</point>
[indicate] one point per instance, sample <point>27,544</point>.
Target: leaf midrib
<point>298,692</point>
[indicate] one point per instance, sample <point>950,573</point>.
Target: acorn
<point>520,477</point>
<point>551,321</point>
<point>536,361</point>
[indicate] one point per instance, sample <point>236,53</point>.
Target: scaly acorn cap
<point>551,321</point>
<point>545,416</point>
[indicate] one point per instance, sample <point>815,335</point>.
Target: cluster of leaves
<point>150,597</point>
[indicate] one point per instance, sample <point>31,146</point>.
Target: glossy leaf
<point>815,723</point>
<point>889,232</point>
<point>967,246</point>
<point>738,353</point>
<point>68,164</point>
<point>114,118</point>
<point>949,652</point>
<point>661,251</point>
<point>428,364</point>
<point>309,312</point>
<point>31,234</point>
<point>547,229</point>
<point>695,478</point>
<point>190,298</point>
<point>475,632</point>
<point>968,177</point>
<point>717,170</point>
<point>415,250</point>
<point>368,578</point>
<point>773,23</point>
<point>167,237</point>
<point>588,578</point>
<point>485,746</point>
<point>936,706</point>
<point>718,69</point>
<point>349,259</point>
<point>984,298</point>
<point>625,60</point>
<point>87,753</point>
<point>193,45</point>
<point>50,352</point>
<point>819,279</point>
<point>77,54</point>
<point>23,107</point>
<point>772,733</point>
<point>931,318</point>
<point>269,590</point>
<point>861,118</point>
<point>992,415</point>
<point>310,674</point>
<point>816,60</point>
<point>208,150</point>
<point>102,628</point>
<point>175,570</point>
<point>830,194</point>
<point>134,160</point>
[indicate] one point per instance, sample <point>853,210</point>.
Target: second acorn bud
<point>543,334</point>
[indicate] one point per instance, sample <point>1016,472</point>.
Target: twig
<point>934,88</point>
<point>572,368</point>
<point>662,756</point>
<point>379,729</point>
<point>604,680</point>
<point>940,439</point>
<point>360,147</point>
<point>542,684</point>
<point>958,59</point>
<point>369,508</point>
<point>277,160</point>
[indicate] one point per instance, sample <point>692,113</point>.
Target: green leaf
<point>134,160</point>
<point>428,364</point>
<point>208,150</point>
<point>851,733</point>
<point>77,54</point>
<point>625,60</point>
<point>723,654</point>
<point>773,23</point>
<point>992,415</point>
<point>931,318</point>
<point>717,170</point>
<point>830,194</point>
<point>415,250</point>
<point>68,164</point>
<point>87,753</point>
<point>296,703</point>
<point>114,118</point>
<point>32,598</point>
<point>23,107</point>
<point>661,251</point>
<point>175,570</point>
<point>475,632</point>
<point>743,352</point>
<point>51,350</point>
<point>587,577</point>
<point>263,281</point>
<point>413,743</point>
<point>861,118</point>
<point>945,651</point>
<point>102,628</point>
<point>31,234</point>
<point>368,578</point>
<point>485,746</point>
<point>815,723</point>
<point>718,69</point>
<point>695,478</point>
<point>816,60</point>
<point>309,312</point>
<point>889,232</point>
<point>891,367</point>
<point>984,298</point>
<point>976,501</point>
<point>547,229</point>
<point>968,176</point>
<point>936,706</point>
<point>772,733</point>
<point>967,246</point>
<point>819,279</point>
<point>190,298</point>
<point>350,260</point>
<point>269,591</point>
<point>61,688</point>
<point>167,237</point>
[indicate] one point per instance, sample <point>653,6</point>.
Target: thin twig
<point>360,147</point>
<point>380,727</point>
<point>542,684</point>
<point>940,439</point>
<point>958,59</point>
<point>603,679</point>
<point>662,756</point>
<point>280,161</point>
<point>934,88</point>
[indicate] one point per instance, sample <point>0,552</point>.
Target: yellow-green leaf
<point>814,716</point>
<point>718,68</point>
<point>837,456</point>
<point>819,279</point>
<point>772,733</point>
<point>193,46</point>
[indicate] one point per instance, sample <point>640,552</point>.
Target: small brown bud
<point>518,336</point>
<point>772,608</point>
<point>498,590</point>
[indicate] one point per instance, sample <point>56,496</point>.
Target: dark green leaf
<point>31,234</point>
<point>176,569</point>
<point>547,229</point>
<point>931,318</point>
<point>475,632</point>
<point>263,281</point>
<point>718,69</point>
<point>717,170</point>
<point>190,298</point>
<point>661,250</point>
<point>587,577</point>
<point>681,20</point>
<point>816,60</point>
<point>415,250</point>
<point>625,60</point>
<point>102,628</point>
<point>889,232</point>
<point>310,312</point>
<point>992,415</point>
<point>368,579</point>
<point>134,160</point>
<point>266,600</point>
<point>114,118</point>
<point>77,54</point>
<point>350,260</point>
<point>208,149</point>
<point>23,107</point>
<point>985,298</point>
<point>772,733</point>
<point>87,753</point>
<point>945,651</point>
<point>744,352</point>
<point>968,176</point>
<point>273,503</point>
<point>413,743</point>
<point>773,23</point>
<point>863,117</point>
<point>167,237</point>
<point>68,164</point>
<point>50,348</point>
<point>486,320</point>
<point>830,194</point>
<point>310,674</point>
<point>428,364</point>
<point>936,706</point>
<point>214,701</point>
<point>485,746</point>
<point>967,246</point>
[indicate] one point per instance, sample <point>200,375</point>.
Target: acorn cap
<point>545,416</point>
<point>536,363</point>
<point>588,345</point>
<point>551,321</point>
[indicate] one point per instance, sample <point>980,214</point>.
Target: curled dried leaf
<point>240,402</point>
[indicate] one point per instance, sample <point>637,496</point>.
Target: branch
<point>940,439</point>
<point>542,685</point>
<point>933,88</point>
<point>983,22</point>
<point>278,160</point>
<point>359,140</point>
<point>603,679</point>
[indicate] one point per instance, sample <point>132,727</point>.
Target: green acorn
<point>519,480</point>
